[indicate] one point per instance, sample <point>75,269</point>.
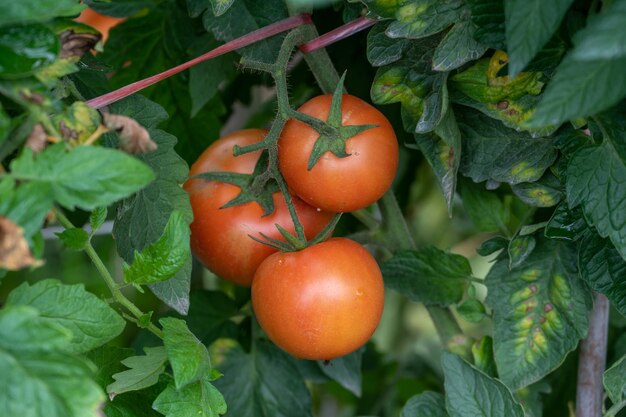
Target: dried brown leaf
<point>134,138</point>
<point>14,251</point>
<point>77,44</point>
<point>38,139</point>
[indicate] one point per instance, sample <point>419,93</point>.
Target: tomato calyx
<point>258,187</point>
<point>333,134</point>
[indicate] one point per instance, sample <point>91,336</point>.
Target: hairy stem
<point>592,361</point>
<point>108,279</point>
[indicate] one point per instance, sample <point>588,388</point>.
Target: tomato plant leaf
<point>108,361</point>
<point>34,364</point>
<point>200,399</point>
<point>472,310</point>
<point>457,48</point>
<point>121,8</point>
<point>86,177</point>
<point>164,258</point>
<point>144,371</point>
<point>566,224</point>
<point>471,392</point>
<point>442,149</point>
<point>27,205</point>
<point>188,357</point>
<point>428,275</point>
<point>221,6</point>
<point>416,19</point>
<point>494,152</point>
<point>603,269</point>
<point>90,320</point>
<point>603,35</point>
<point>37,10</point>
<point>411,81</point>
<point>614,381</point>
<point>383,50</point>
<point>545,192</point>
<point>594,181</point>
<point>210,315</point>
<point>74,238</point>
<point>519,249</point>
<point>426,404</point>
<point>488,211</point>
<point>25,49</point>
<point>345,370</point>
<point>245,16</point>
<point>97,218</point>
<point>141,219</point>
<point>488,18</point>
<point>529,26</point>
<point>540,311</point>
<point>482,353</point>
<point>253,383</point>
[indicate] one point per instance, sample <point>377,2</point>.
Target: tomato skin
<point>99,21</point>
<point>319,303</point>
<point>340,184</point>
<point>220,237</point>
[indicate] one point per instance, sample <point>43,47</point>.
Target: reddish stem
<point>338,34</point>
<point>248,39</point>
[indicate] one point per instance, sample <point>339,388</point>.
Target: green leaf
<point>482,353</point>
<point>472,310</point>
<point>412,82</point>
<point>540,311</point>
<point>486,209</point>
<point>144,372</point>
<point>566,224</point>
<point>5,125</point>
<point>24,331</point>
<point>164,258</point>
<point>580,88</point>
<point>531,398</point>
<point>108,361</point>
<point>37,10</point>
<point>604,35</point>
<point>27,205</point>
<point>519,249</point>
<point>428,275</point>
<point>221,6</point>
<point>74,238</point>
<point>252,383</point>
<point>142,218</point>
<point>86,177</point>
<point>614,381</point>
<point>90,320</point>
<point>210,315</point>
<point>97,218</point>
<point>426,404</point>
<point>121,8</point>
<point>201,399</point>
<point>383,50</point>
<point>603,269</point>
<point>494,152</point>
<point>243,17</point>
<point>457,48</point>
<point>492,245</point>
<point>25,49</point>
<point>545,192</point>
<point>442,150</point>
<point>188,357</point>
<point>417,18</point>
<point>471,392</point>
<point>346,370</point>
<point>595,181</point>
<point>488,18</point>
<point>77,122</point>
<point>34,367</point>
<point>529,26</point>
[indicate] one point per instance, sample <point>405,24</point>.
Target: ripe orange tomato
<point>99,21</point>
<point>220,237</point>
<point>340,184</point>
<point>322,302</point>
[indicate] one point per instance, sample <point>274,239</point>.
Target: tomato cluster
<point>323,301</point>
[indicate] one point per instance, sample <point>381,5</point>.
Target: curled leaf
<point>134,138</point>
<point>77,44</point>
<point>14,251</point>
<point>38,139</point>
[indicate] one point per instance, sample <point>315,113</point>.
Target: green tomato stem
<point>108,279</point>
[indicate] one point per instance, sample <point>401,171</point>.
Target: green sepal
<point>333,134</point>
